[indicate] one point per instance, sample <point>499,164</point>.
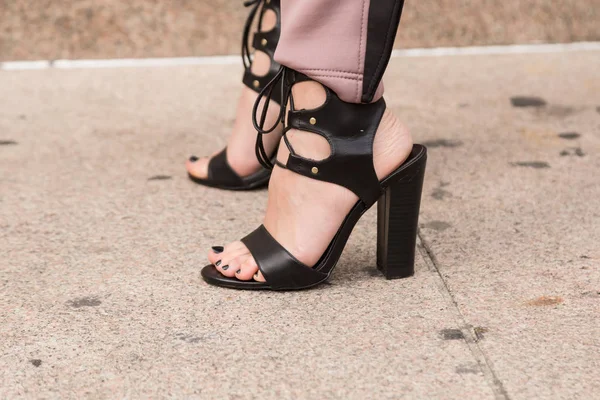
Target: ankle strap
<point>262,41</point>
<point>348,127</point>
<point>350,130</point>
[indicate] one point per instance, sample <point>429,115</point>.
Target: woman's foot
<point>304,214</point>
<point>240,145</point>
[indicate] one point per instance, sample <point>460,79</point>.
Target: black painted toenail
<point>225,267</point>
<point>238,271</point>
<point>218,263</point>
<point>218,249</point>
<point>194,158</point>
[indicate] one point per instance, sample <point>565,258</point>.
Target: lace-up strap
<point>246,54</point>
<point>262,41</point>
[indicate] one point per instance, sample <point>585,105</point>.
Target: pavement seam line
<point>235,60</point>
<point>470,338</point>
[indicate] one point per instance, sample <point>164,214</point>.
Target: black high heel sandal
<point>350,130</point>
<point>220,173</point>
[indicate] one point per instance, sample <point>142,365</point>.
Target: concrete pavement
<point>102,237</point>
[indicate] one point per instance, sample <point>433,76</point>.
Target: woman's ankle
<point>392,145</point>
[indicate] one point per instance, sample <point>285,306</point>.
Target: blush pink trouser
<point>343,44</point>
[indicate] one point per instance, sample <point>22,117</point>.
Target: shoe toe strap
<point>280,269</point>
<point>219,170</point>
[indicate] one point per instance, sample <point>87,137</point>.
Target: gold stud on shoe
<point>264,42</point>
<point>312,120</point>
<point>256,84</point>
<point>314,170</point>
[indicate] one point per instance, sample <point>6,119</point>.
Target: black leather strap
<point>280,269</point>
<point>257,83</point>
<point>219,171</point>
<point>265,42</point>
<point>350,130</point>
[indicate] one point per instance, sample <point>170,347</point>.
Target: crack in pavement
<point>470,336</point>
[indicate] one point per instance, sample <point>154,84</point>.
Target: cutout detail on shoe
<point>268,21</point>
<point>308,144</point>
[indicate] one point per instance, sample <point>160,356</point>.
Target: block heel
<point>398,223</point>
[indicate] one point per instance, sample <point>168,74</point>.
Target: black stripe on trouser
<point>384,18</point>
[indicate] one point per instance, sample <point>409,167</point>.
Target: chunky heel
<point>398,223</point>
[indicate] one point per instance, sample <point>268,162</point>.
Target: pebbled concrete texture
<point>102,237</point>
<point>57,29</point>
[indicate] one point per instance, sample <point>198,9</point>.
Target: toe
<point>259,277</point>
<point>247,269</point>
<point>224,268</point>
<point>197,167</point>
<point>214,254</point>
<point>229,267</point>
<point>229,261</point>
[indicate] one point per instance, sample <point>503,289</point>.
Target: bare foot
<point>304,214</point>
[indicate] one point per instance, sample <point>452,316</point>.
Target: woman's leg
<point>344,45</point>
<point>240,144</point>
